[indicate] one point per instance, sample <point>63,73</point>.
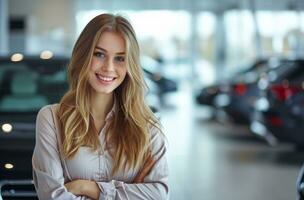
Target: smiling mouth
<point>105,78</point>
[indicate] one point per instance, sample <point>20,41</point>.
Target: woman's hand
<point>145,170</point>
<point>83,188</point>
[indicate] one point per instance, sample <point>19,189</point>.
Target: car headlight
<point>7,128</point>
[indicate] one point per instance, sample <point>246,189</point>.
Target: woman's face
<point>108,68</point>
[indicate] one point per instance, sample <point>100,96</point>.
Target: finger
<point>147,159</point>
<point>148,162</point>
<point>149,165</point>
<point>145,170</point>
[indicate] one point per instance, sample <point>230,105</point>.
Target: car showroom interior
<point>225,78</point>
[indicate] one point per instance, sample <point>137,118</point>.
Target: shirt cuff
<point>108,189</point>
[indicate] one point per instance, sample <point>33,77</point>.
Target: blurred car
<point>25,86</point>
<point>17,190</point>
<point>278,111</point>
<point>236,98</point>
<point>207,95</point>
<point>165,84</point>
<point>158,84</point>
<point>153,70</point>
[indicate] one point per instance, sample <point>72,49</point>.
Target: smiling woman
<point>101,141</point>
<point>108,68</point>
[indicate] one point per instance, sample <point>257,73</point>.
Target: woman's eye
<point>99,54</point>
<point>120,59</point>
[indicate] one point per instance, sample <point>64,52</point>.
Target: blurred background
<point>225,77</point>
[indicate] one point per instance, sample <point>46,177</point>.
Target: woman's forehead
<point>111,42</point>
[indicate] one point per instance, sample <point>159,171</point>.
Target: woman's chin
<point>103,92</point>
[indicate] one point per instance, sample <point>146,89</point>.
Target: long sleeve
<point>155,185</point>
<point>47,168</point>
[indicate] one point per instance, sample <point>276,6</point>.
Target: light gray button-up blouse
<point>51,172</point>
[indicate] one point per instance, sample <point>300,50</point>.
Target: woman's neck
<point>101,105</point>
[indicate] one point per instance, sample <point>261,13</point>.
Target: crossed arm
<point>90,188</point>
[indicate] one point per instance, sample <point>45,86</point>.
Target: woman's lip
<point>105,76</point>
<point>104,79</point>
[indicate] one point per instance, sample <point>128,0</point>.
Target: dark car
<point>237,98</point>
<point>25,86</point>
<point>278,114</point>
<point>17,190</point>
<point>158,83</point>
<point>207,95</point>
<point>164,84</point>
<point>153,70</point>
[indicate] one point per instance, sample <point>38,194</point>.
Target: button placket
<point>101,167</point>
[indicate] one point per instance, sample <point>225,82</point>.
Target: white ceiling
<point>192,5</point>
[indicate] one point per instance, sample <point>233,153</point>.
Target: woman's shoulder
<point>46,111</point>
<point>158,143</point>
<point>157,136</point>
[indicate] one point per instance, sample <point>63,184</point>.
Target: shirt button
<point>101,176</point>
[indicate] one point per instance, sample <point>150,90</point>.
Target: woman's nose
<point>108,65</point>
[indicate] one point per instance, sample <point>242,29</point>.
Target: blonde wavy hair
<point>129,131</point>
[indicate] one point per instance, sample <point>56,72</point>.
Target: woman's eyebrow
<point>102,49</point>
<point>97,47</point>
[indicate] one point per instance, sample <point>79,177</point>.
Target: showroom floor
<point>209,160</point>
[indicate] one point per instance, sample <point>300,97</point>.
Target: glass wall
<point>276,33</point>
<point>281,32</point>
<point>206,28</point>
<point>240,39</point>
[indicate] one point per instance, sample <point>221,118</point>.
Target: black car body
<point>207,95</point>
<point>158,83</point>
<point>278,114</point>
<point>25,86</point>
<point>237,98</point>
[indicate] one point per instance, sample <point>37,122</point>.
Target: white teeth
<point>104,78</point>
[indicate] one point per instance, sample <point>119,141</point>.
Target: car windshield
<point>290,70</point>
<point>28,85</point>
